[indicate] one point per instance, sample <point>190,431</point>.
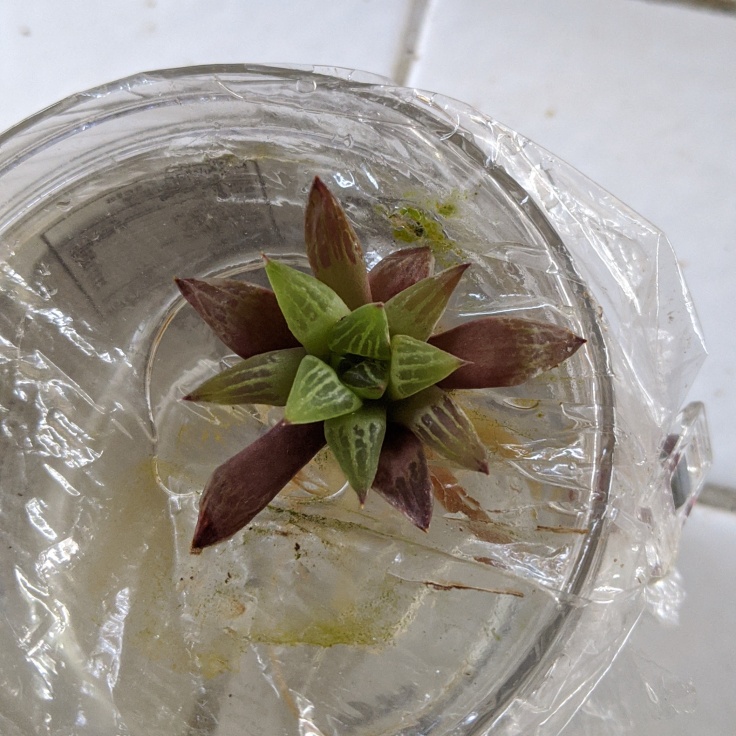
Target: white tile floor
<point>640,96</point>
<point>690,667</point>
<point>702,650</point>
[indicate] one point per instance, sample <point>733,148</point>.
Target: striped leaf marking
<point>505,351</point>
<point>416,365</point>
<point>318,394</point>
<point>311,308</point>
<point>416,310</point>
<point>403,477</point>
<point>356,440</point>
<point>263,379</point>
<point>399,270</point>
<point>442,425</point>
<point>333,248</point>
<point>244,316</point>
<point>363,332</point>
<point>367,378</point>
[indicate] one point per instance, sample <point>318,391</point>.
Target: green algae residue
<point>371,622</point>
<point>423,225</point>
<point>299,579</point>
<point>412,225</point>
<point>327,594</point>
<point>446,209</point>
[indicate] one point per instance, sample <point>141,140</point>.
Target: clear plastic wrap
<point>321,618</point>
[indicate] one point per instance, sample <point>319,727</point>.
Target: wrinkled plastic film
<point>506,614</point>
<point>655,347</point>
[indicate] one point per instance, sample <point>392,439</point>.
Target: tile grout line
<point>416,22</point>
<point>713,495</point>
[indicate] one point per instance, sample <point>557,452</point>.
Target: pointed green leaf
<point>402,477</point>
<point>244,316</point>
<point>263,379</point>
<point>367,378</point>
<point>317,394</point>
<point>504,351</point>
<point>442,425</point>
<point>363,332</point>
<point>416,365</point>
<point>245,484</point>
<point>311,309</point>
<point>355,440</point>
<point>333,248</point>
<point>416,310</point>
<point>400,270</point>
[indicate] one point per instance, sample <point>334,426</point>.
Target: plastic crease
<point>71,629</point>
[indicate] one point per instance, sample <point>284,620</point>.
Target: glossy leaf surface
<point>367,378</point>
<point>416,365</point>
<point>355,440</point>
<point>245,484</point>
<point>400,270</point>
<point>416,310</point>
<point>504,351</point>
<point>310,308</point>
<point>442,425</point>
<point>363,332</point>
<point>402,477</point>
<point>333,248</point>
<point>318,394</point>
<point>262,379</point>
<point>244,316</point>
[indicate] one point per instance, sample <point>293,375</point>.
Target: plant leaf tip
<point>423,522</point>
<point>460,269</point>
<point>204,536</point>
<point>574,344</point>
<point>184,286</point>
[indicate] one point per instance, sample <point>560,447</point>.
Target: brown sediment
<point>561,529</point>
<point>455,499</point>
<point>462,586</point>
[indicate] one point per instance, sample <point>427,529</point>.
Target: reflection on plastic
<point>322,619</point>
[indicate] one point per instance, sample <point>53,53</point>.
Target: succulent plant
<point>352,357</point>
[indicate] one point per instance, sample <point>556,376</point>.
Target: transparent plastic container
<point>320,618</point>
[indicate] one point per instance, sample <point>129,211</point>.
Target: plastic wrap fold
<point>321,618</point>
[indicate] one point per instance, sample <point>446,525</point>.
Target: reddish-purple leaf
<point>504,351</point>
<point>244,316</point>
<point>398,271</point>
<point>456,500</point>
<point>245,484</point>
<point>333,248</point>
<point>403,475</point>
<point>442,425</point>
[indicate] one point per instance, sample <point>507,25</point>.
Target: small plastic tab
<point>687,457</point>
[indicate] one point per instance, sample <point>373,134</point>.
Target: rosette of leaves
<point>354,359</point>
